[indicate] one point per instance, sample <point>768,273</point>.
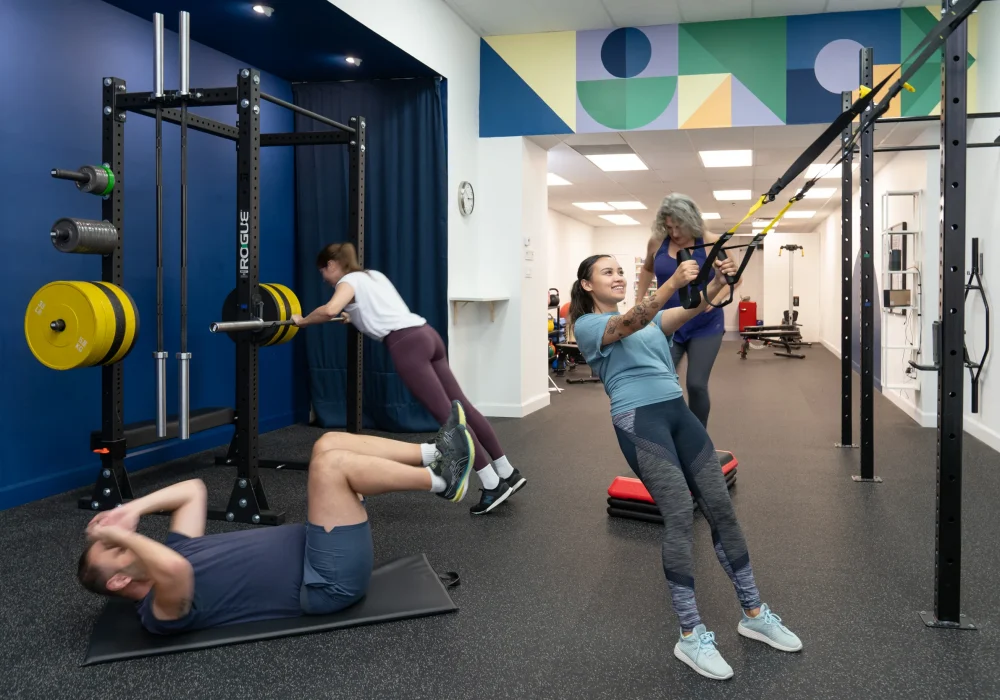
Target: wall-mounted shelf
<point>906,243</point>
<point>458,301</point>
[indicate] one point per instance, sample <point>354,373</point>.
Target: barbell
<point>70,324</point>
<point>273,325</point>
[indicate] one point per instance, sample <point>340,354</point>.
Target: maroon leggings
<point>422,363</point>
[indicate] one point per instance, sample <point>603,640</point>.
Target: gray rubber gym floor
<point>559,601</point>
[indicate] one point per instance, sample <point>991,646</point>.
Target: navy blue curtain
<point>406,232</point>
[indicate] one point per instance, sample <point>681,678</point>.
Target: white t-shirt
<point>377,309</point>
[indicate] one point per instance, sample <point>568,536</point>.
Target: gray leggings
<point>701,352</point>
<point>669,450</point>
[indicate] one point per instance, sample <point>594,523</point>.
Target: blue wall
<point>54,54</point>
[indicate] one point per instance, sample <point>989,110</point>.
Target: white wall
<point>830,283</point>
<point>983,221</point>
<point>898,172</point>
<point>569,242</point>
<point>805,277</point>
<point>629,242</point>
<point>534,280</point>
<point>510,352</point>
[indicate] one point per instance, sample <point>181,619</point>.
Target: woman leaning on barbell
<point>375,308</point>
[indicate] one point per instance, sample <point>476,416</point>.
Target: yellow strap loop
<point>775,220</point>
<point>760,202</point>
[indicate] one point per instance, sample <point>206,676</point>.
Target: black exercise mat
<point>401,589</point>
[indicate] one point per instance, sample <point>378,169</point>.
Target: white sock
<point>437,483</point>
<point>503,467</point>
<point>488,477</point>
<point>428,453</point>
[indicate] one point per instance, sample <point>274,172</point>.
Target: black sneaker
<point>491,498</point>
<point>456,417</point>
<point>457,455</point>
<point>515,481</point>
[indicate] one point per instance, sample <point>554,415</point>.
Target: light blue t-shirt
<point>637,370</point>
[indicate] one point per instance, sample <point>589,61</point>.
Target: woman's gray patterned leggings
<point>670,451</point>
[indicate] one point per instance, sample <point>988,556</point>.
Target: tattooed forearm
<point>640,314</point>
<point>634,320</point>
<point>612,330</point>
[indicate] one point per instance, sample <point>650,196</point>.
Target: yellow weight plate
<point>126,319</point>
<point>66,325</point>
<point>288,304</point>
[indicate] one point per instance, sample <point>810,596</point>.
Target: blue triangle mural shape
<point>748,110</point>
<point>507,106</point>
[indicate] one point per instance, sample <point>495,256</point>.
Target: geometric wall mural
<point>753,72</point>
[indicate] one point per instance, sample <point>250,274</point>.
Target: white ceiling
<point>492,18</point>
<point>674,166</point>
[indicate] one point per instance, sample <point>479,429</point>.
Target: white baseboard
<point>977,429</point>
<point>832,348</point>
<point>513,410</point>
<point>923,418</point>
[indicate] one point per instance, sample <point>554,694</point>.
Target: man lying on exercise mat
<point>194,581</point>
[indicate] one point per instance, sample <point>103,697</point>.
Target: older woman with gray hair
<point>678,224</point>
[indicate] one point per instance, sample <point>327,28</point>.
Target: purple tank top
<point>710,323</point>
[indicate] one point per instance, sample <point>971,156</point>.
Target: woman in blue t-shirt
<point>678,224</point>
<point>667,446</point>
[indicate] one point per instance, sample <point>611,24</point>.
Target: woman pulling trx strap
<point>678,225</point>
<point>667,447</point>
<point>376,309</point>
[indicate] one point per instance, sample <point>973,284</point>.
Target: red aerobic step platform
<point>626,488</point>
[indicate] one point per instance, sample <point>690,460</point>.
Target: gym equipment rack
<point>949,355</point>
<point>248,502</point>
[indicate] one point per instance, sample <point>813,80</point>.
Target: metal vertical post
<point>846,286</point>
<point>112,486</point>
<point>951,381</point>
<point>355,344</point>
<point>248,502</point>
<point>867,280</point>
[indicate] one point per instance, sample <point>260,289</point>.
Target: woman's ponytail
<point>580,300</point>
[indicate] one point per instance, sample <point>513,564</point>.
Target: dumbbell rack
<point>248,502</point>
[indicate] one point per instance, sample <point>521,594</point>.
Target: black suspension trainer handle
<point>689,295</point>
<point>730,282</point>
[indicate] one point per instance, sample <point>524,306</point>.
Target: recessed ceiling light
<point>263,10</point>
<point>820,192</point>
<point>620,219</point>
<point>710,215</point>
<point>800,214</point>
<point>353,60</point>
<point>617,162</point>
<point>556,181</point>
<point>731,195</point>
<point>594,206</point>
<point>627,206</point>
<point>726,159</point>
<point>818,168</point>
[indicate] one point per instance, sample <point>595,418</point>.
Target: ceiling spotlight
<point>263,10</point>
<point>354,61</point>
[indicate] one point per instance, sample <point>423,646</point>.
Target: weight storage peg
<point>84,236</point>
<point>90,179</point>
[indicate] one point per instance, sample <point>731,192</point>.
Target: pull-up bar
<point>932,147</point>
<point>933,118</point>
<point>305,112</point>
